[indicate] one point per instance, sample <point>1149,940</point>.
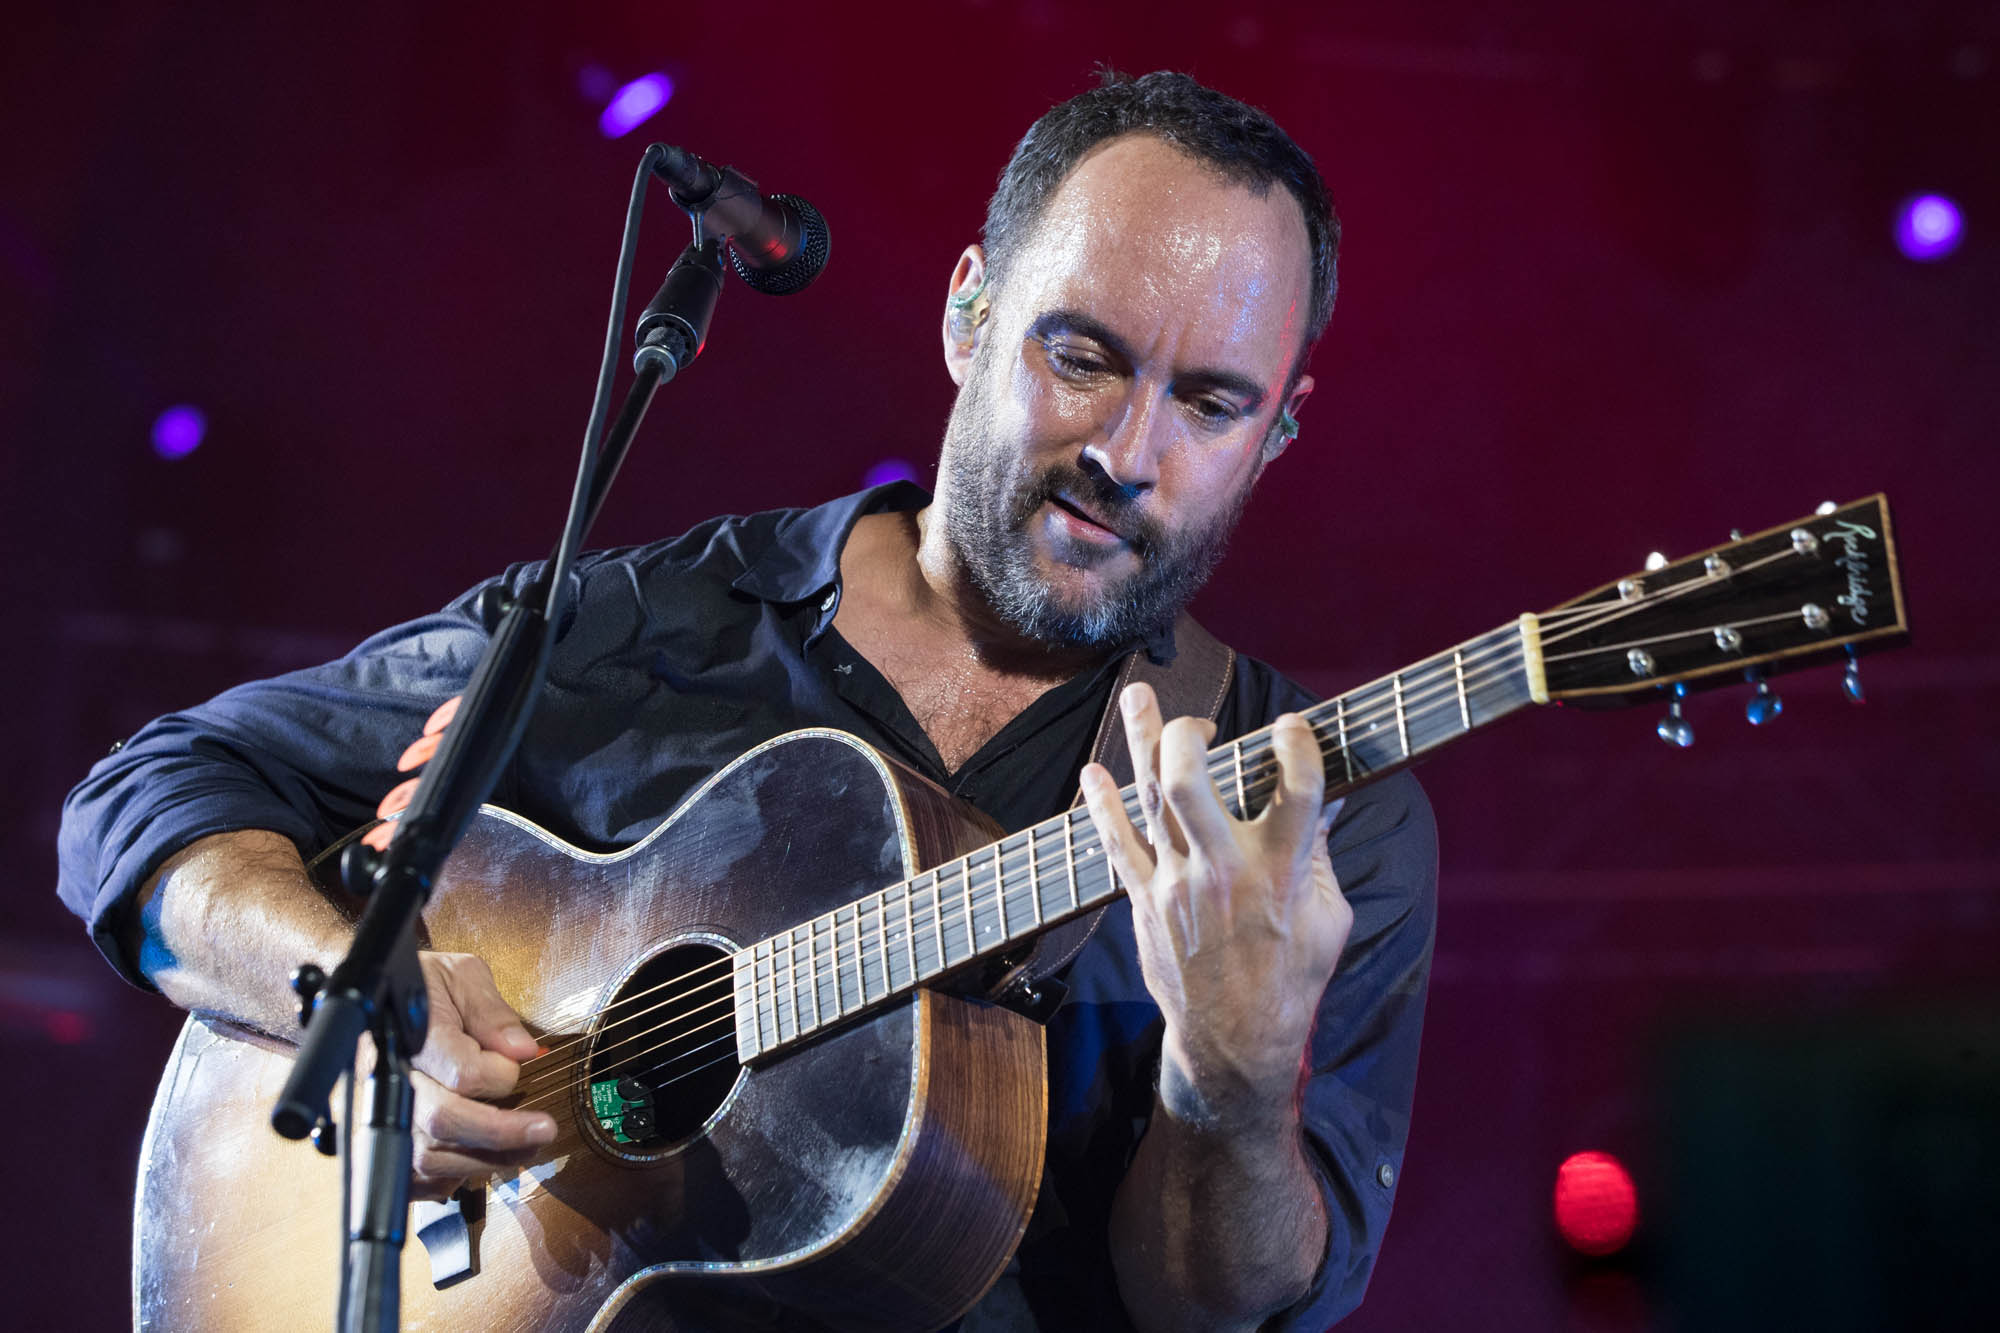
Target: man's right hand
<point>472,1055</point>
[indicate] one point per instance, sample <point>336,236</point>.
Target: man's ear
<point>1286,428</point>
<point>965,309</point>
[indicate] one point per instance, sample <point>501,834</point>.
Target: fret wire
<point>1069,859</point>
<point>792,975</point>
<point>937,921</point>
<point>965,896</point>
<point>839,1000</point>
<point>758,986</point>
<point>777,1001</point>
<point>1000,889</point>
<point>756,1001</point>
<point>812,958</point>
<point>1034,877</point>
<point>1242,801</point>
<point>1402,720</point>
<point>737,967</point>
<point>1458,668</point>
<point>1340,722</point>
<point>910,929</point>
<point>882,939</point>
<point>860,966</point>
<point>792,961</point>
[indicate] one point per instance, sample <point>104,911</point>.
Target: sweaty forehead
<point>1160,246</point>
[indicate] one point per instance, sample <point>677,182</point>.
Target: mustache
<point>1108,502</point>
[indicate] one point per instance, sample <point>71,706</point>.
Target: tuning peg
<point>1763,705</point>
<point>1674,729</point>
<point>1850,683</point>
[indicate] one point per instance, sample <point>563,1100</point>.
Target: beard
<point>990,500</point>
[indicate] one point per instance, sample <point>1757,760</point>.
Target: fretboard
<point>836,966</point>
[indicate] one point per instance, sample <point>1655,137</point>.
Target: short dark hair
<point>1242,143</point>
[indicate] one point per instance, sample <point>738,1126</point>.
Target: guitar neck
<point>882,946</point>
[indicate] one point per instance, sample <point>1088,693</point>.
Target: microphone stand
<point>379,987</point>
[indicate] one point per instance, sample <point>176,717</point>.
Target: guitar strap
<point>1193,684</point>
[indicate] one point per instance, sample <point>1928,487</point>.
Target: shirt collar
<point>802,563</point>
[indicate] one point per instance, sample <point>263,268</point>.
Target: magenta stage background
<point>1612,282</point>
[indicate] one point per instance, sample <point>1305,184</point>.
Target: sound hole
<point>663,1055</point>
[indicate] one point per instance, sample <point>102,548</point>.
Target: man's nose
<point>1130,442</point>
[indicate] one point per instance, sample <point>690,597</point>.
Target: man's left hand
<point>1240,923</point>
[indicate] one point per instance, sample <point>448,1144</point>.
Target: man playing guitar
<point>1232,1056</point>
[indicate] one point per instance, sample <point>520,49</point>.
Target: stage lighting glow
<point>177,432</point>
<point>1597,1206</point>
<point>888,470</point>
<point>634,104</point>
<point>1928,227</point>
<point>595,84</point>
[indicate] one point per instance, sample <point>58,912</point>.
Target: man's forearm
<point>1217,1225</point>
<point>223,924</point>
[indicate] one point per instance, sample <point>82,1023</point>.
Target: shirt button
<point>1385,1176</point>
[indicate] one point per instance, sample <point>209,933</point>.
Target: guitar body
<point>813,1186</point>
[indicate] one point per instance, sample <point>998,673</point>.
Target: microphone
<point>777,243</point>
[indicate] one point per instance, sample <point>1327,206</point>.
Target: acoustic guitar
<point>765,1099</point>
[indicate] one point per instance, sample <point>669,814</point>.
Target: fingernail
<point>542,1131</point>
<point>516,1036</point>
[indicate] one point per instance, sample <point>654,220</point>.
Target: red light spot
<point>1597,1207</point>
<point>66,1027</point>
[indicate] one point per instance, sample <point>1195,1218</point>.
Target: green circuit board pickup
<point>624,1108</point>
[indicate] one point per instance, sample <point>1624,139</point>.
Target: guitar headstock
<point>1809,591</point>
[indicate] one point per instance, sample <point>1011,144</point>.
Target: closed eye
<point>1212,411</point>
<point>1073,362</point>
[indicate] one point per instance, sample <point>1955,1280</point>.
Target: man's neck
<point>902,564</point>
<point>962,672</point>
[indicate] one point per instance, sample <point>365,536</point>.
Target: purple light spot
<point>178,430</point>
<point>634,104</point>
<point>888,470</point>
<point>1928,227</point>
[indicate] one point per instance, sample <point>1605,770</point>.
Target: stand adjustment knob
<point>307,982</point>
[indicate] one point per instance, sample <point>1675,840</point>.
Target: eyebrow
<point>1075,321</point>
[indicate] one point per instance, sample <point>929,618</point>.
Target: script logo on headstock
<point>1853,559</point>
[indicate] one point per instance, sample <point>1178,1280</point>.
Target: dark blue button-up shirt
<point>682,654</point>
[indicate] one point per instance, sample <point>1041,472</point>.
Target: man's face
<point>1111,423</point>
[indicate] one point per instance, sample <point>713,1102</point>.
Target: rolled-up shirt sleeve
<point>1359,1091</point>
<point>307,755</point>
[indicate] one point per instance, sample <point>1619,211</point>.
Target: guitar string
<point>866,953</point>
<point>996,883</point>
<point>567,1109</point>
<point>882,953</point>
<point>909,900</point>
<point>1669,593</point>
<point>1662,638</point>
<point>1259,767</point>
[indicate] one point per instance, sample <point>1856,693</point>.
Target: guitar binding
<point>660,1064</point>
